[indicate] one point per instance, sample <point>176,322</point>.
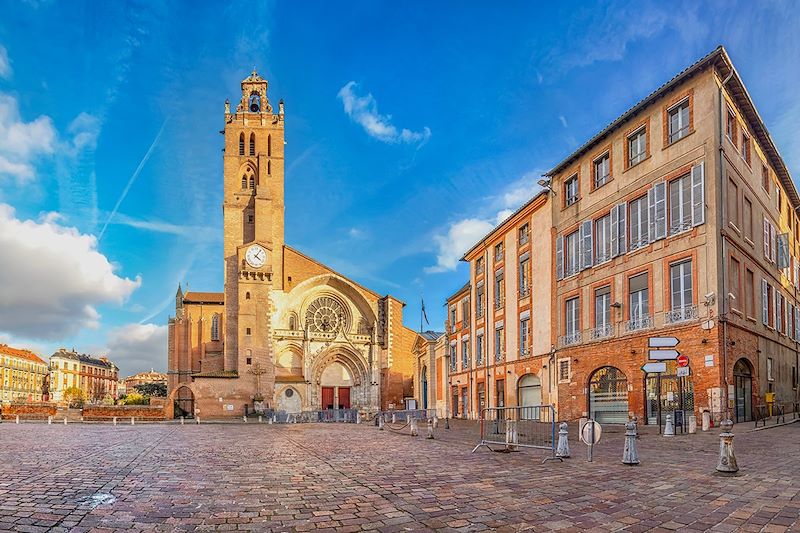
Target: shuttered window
<point>571,254</point>
<point>680,203</point>
<point>603,239</point>
<point>639,223</point>
<point>571,316</point>
<point>681,285</point>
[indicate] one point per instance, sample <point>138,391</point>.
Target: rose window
<point>325,315</point>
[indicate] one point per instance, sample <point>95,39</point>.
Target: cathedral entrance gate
<point>327,398</point>
<point>344,397</point>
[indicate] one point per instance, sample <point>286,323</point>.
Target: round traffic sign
<point>683,360</point>
<point>591,432</point>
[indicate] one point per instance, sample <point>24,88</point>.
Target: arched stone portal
<point>340,380</point>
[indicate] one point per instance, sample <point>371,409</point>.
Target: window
<point>247,331</point>
<point>498,344</point>
<point>794,377</point>
<point>602,170</point>
<point>215,327</point>
<point>498,289</point>
<point>252,182</point>
<point>681,290</point>
<point>747,219</point>
<point>241,143</point>
<point>767,304</point>
<point>680,208</point>
<point>524,333</point>
<point>733,275</point>
<point>453,316</point>
<point>292,323</point>
<point>250,219</point>
<point>770,376</point>
<point>571,318</point>
<point>572,254</point>
<point>778,199</point>
<point>765,178</point>
<point>730,126</point>
<point>602,232</point>
<point>639,301</point>
<point>563,370</point>
<point>637,146</point>
<point>269,145</point>
<point>523,234</point>
<point>602,311</point>
<point>247,296</point>
<point>678,121</point>
<point>498,252</point>
<point>479,266</point>
<point>750,303</point>
<point>746,147</point>
<point>453,357</point>
<point>524,281</point>
<point>465,313</point>
<point>479,298</point>
<point>269,168</point>
<point>464,354</point>
<point>571,190</point>
<point>639,217</point>
<point>244,182</point>
<point>479,350</point>
<point>733,203</point>
<point>770,245</point>
<point>252,144</point>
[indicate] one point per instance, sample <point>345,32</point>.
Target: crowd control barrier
<point>511,428</point>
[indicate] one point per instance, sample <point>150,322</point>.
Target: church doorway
<point>344,397</point>
<point>184,403</point>
<point>336,384</point>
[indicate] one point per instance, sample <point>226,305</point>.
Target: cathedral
<point>287,333</point>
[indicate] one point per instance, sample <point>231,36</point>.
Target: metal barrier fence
<point>408,414</point>
<point>765,412</point>
<point>519,427</point>
<point>347,416</point>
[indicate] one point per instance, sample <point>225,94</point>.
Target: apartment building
<point>679,219</point>
<point>23,376</point>
<point>430,371</point>
<point>498,324</point>
<point>96,377</point>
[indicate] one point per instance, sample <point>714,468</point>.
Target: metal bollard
<point>274,418</point>
<point>358,417</point>
<point>431,425</point>
<point>115,420</point>
<point>447,423</point>
<point>511,435</point>
<point>630,455</point>
<point>563,441</point>
<point>270,420</point>
<point>435,422</point>
<point>65,420</point>
<point>669,427</point>
<point>132,422</point>
<point>394,419</point>
<point>259,419</point>
<point>380,422</point>
<point>414,427</point>
<point>727,460</point>
<point>692,424</point>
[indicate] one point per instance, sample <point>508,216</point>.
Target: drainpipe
<point>723,205</point>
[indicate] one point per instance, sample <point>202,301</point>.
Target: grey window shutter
<point>651,215</point>
<point>766,239</point>
<point>698,195</point>
<point>586,244</point>
<point>560,257</point>
<point>772,245</point>
<point>783,250</point>
<point>774,308</point>
<point>660,222</point>
<point>764,303</point>
<point>797,322</point>
<point>614,232</point>
<point>622,227</point>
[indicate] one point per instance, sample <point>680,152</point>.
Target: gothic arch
<point>348,358</point>
<point>344,290</point>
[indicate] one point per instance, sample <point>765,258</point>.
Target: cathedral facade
<point>287,333</point>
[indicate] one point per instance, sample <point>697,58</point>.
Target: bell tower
<point>253,222</point>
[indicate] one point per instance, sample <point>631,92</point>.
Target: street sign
<point>591,432</point>
<point>654,367</point>
<point>683,360</point>
<point>663,355</point>
<point>683,372</point>
<point>662,342</point>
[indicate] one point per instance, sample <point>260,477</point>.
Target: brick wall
<point>28,411</point>
<point>107,412</point>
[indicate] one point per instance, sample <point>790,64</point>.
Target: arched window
<point>252,182</point>
<point>244,182</point>
<point>249,354</point>
<point>269,145</point>
<point>215,327</point>
<point>247,296</point>
<point>292,323</point>
<point>241,143</point>
<point>252,144</point>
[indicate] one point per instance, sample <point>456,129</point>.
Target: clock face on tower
<point>256,256</point>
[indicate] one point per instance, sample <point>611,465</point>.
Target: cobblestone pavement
<point>351,478</point>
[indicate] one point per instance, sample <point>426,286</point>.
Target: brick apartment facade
<point>679,220</point>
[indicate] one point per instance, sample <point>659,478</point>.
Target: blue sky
<point>409,131</point>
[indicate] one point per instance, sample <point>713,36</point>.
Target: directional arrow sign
<point>654,367</point>
<point>663,355</point>
<point>662,342</point>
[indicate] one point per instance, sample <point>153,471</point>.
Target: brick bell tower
<point>253,212</point>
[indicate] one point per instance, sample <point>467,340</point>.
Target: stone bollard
<point>431,425</point>
<point>706,420</point>
<point>446,423</point>
<point>197,420</point>
<point>669,427</point>
<point>49,420</point>
<point>65,420</point>
<point>269,421</point>
<point>115,420</point>
<point>435,422</point>
<point>414,427</point>
<point>394,418</point>
<point>727,460</point>
<point>182,421</point>
<point>17,419</point>
<point>511,435</point>
<point>692,424</point>
<point>244,418</point>
<point>259,419</point>
<point>630,455</point>
<point>132,422</point>
<point>563,441</point>
<point>380,422</point>
<point>358,417</point>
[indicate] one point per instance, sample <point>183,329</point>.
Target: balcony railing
<point>682,314</point>
<point>524,352</point>
<point>639,323</point>
<point>479,312</point>
<point>570,338</point>
<point>498,303</point>
<point>601,332</point>
<point>524,291</point>
<point>571,270</point>
<point>479,359</point>
<point>523,239</point>
<point>498,357</point>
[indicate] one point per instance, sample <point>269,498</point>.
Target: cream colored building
<point>23,375</point>
<point>96,377</point>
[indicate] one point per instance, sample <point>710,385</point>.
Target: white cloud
<point>195,233</point>
<point>53,278</point>
<point>21,141</point>
<point>363,110</point>
<point>138,347</point>
<point>563,120</point>
<point>462,234</point>
<point>5,63</point>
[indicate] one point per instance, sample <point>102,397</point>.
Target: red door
<point>327,397</point>
<point>344,397</point>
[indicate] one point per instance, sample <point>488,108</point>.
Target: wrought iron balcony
<point>570,338</point>
<point>498,356</point>
<point>601,332</point>
<point>682,314</point>
<point>524,352</point>
<point>639,323</point>
<point>524,291</point>
<point>498,303</point>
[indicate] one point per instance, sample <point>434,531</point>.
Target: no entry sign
<point>683,360</point>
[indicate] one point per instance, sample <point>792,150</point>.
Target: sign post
<point>591,433</point>
<point>662,349</point>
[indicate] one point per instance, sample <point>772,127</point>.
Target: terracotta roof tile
<point>204,297</point>
<point>22,354</point>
